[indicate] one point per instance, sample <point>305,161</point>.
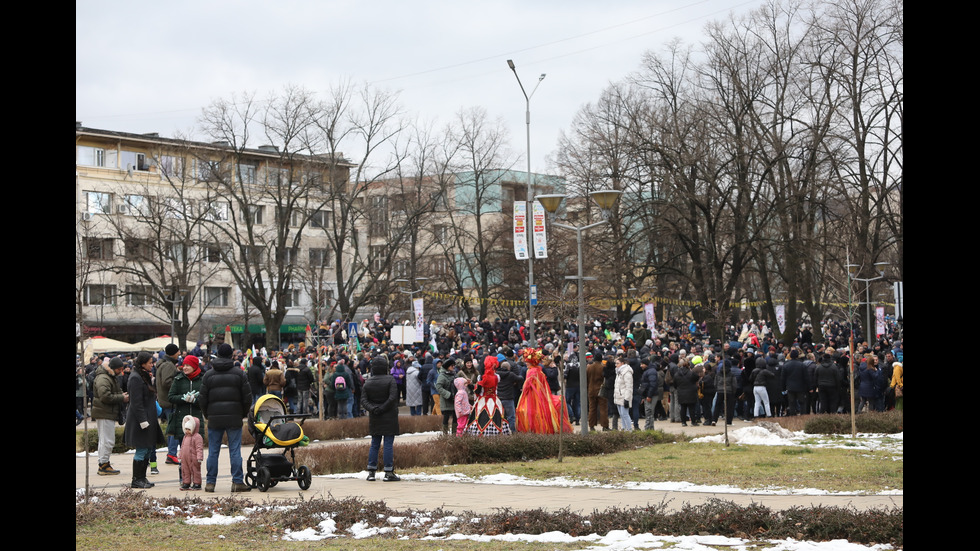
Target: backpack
<point>340,383</point>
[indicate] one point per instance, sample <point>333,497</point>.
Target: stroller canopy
<point>274,432</point>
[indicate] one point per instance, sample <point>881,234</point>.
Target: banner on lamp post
<point>419,321</point>
<point>520,230</point>
<point>781,317</point>
<point>651,314</point>
<point>540,237</point>
<point>879,320</point>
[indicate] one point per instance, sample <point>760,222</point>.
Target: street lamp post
<point>411,292</point>
<point>530,195</point>
<point>852,270</point>
<point>606,200</point>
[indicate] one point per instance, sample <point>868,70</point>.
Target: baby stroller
<point>273,428</point>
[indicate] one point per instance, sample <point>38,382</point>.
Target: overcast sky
<point>152,66</point>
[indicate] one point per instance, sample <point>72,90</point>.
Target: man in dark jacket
<point>507,392</point>
<point>379,397</point>
<point>256,375</point>
<point>165,372</point>
<point>225,399</point>
<point>423,376</point>
<point>108,400</point>
<point>795,383</point>
<point>648,392</point>
<point>828,382</point>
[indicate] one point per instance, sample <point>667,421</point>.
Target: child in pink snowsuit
<point>462,404</point>
<point>191,454</point>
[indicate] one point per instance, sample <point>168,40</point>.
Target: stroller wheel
<point>250,479</point>
<point>263,479</point>
<point>305,477</point>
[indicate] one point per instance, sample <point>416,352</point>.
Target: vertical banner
<point>879,320</point>
<point>520,230</point>
<point>651,314</point>
<point>781,317</point>
<point>419,321</point>
<point>540,238</point>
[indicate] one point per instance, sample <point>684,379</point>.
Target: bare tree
<point>267,167</point>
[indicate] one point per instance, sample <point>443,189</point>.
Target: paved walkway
<point>459,497</point>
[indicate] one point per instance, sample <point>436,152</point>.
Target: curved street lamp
<point>606,199</point>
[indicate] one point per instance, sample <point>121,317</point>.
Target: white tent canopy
<point>103,345</point>
<point>155,344</point>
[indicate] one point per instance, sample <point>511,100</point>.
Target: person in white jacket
<point>623,391</point>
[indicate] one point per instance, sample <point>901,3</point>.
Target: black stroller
<point>273,428</point>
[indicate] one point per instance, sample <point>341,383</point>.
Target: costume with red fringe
<point>487,417</point>
<point>539,410</point>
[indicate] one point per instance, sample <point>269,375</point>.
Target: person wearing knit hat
<point>184,393</point>
<point>164,373</point>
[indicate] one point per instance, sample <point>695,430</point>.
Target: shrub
<point>457,450</point>
<point>887,422</point>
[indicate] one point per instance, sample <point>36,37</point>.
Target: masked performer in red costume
<point>539,411</point>
<point>487,418</point>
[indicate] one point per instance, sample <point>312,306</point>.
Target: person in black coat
<point>225,399</point>
<point>379,397</point>
<point>796,381</point>
<point>142,430</point>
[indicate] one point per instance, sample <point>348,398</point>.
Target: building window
<point>440,266</point>
<point>320,219</point>
<point>138,249</point>
<point>135,205</point>
<point>208,171</point>
<point>401,268</point>
<point>247,173</point>
<point>216,296</point>
<point>441,234</point>
<point>180,252</point>
<point>287,255</point>
<point>320,258</point>
<point>137,295</point>
<point>252,254</point>
<point>378,217</point>
<point>177,209</point>
<point>292,214</point>
<point>215,253</point>
<point>276,176</point>
<point>98,248</point>
<point>172,167</point>
<point>100,295</point>
<point>97,202</point>
<point>96,156</point>
<point>254,213</point>
<point>217,211</point>
<point>290,298</point>
<point>377,257</point>
<point>133,160</point>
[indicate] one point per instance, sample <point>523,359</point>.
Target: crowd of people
<point>483,379</point>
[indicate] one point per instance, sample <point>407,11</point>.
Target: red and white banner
<point>520,230</point>
<point>540,237</point>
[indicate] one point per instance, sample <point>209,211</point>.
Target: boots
<point>390,476</point>
<point>371,476</point>
<point>139,475</point>
<point>106,469</point>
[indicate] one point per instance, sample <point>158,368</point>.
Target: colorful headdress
<point>531,356</point>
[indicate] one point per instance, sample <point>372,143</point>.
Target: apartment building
<point>175,235</point>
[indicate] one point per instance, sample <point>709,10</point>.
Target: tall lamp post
<point>606,199</point>
<point>530,196</point>
<point>853,270</point>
